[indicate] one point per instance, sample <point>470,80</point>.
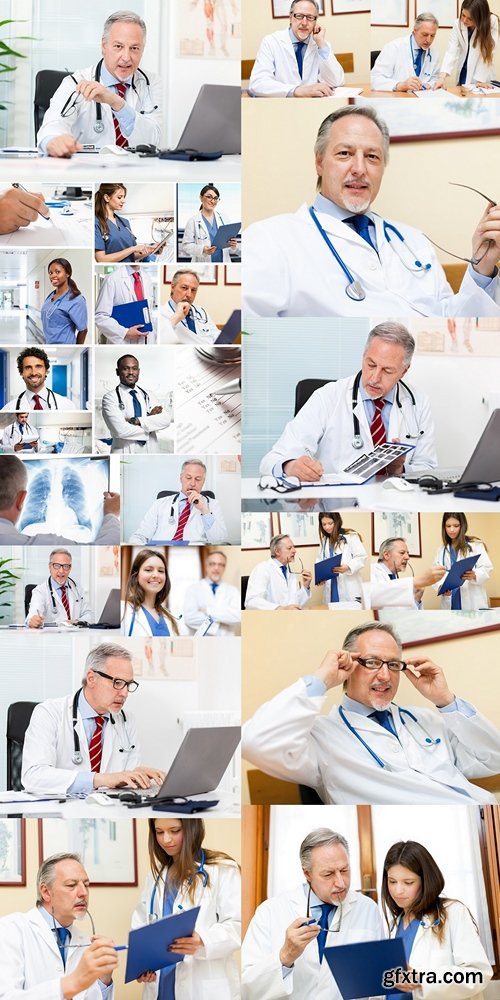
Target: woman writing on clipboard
<point>115,242</point>
<point>200,231</point>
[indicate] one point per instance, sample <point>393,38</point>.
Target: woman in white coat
<point>471,48</point>
<point>334,539</point>
<point>439,934</point>
<point>200,229</point>
<point>457,544</point>
<point>185,874</point>
<point>148,588</point>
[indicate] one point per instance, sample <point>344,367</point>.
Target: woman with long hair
<point>439,934</point>
<point>200,229</point>
<point>64,312</point>
<point>185,874</point>
<point>114,240</point>
<point>148,588</point>
<point>335,539</point>
<point>471,48</point>
<point>458,544</point>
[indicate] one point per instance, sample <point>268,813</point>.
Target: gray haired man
<point>273,585</point>
<point>409,63</point>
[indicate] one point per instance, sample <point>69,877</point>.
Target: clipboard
<point>148,946</point>
<point>133,314</point>
<point>226,233</point>
<point>358,969</point>
<point>323,569</point>
<point>453,579</point>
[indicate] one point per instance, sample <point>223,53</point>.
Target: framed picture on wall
<point>302,528</point>
<point>256,531</point>
<point>390,13</point>
<point>418,628</point>
<point>446,11</point>
<point>444,120</point>
<point>12,852</point>
<point>281,8</point>
<point>207,273</point>
<point>108,848</point>
<point>232,274</point>
<point>350,7</point>
<point>397,524</point>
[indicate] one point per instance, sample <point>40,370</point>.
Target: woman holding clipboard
<point>334,539</point>
<point>457,544</point>
<point>200,231</point>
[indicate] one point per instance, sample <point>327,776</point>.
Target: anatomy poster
<point>210,29</point>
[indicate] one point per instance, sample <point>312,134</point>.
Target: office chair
<point>172,493</point>
<point>28,590</point>
<point>374,54</point>
<point>305,388</point>
<point>46,84</point>
<point>309,796</point>
<point>18,719</point>
<point>244,585</point>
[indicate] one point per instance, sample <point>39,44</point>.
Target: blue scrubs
<point>157,628</point>
<point>408,935</point>
<point>120,237</point>
<point>212,228</point>
<point>63,318</point>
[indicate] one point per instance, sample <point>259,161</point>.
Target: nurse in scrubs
<point>147,589</point>
<point>439,934</point>
<point>64,312</point>
<point>200,231</point>
<point>115,242</point>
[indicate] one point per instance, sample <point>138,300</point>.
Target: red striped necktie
<point>377,429</point>
<point>95,745</point>
<point>65,602</point>
<point>183,520</point>
<point>121,90</point>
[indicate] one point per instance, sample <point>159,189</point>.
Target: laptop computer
<point>214,122</point>
<point>482,467</point>
<point>111,612</point>
<point>231,329</point>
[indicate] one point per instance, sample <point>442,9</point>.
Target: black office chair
<point>374,56</point>
<point>46,84</point>
<point>309,796</point>
<point>18,719</point>
<point>172,493</point>
<point>244,585</point>
<point>28,590</point>
<point>305,388</point>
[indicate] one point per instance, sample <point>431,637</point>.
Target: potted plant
<point>7,582</point>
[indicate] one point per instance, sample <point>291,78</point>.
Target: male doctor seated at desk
<point>339,258</point>
<point>387,590</point>
<point>132,414</point>
<point>43,953</point>
<point>113,103</point>
<point>20,435</point>
<point>190,324</point>
<point>350,417</point>
<point>58,599</point>
<point>409,63</point>
<point>273,586</point>
<point>187,516</point>
<point>368,749</point>
<point>85,741</point>
<point>283,950</point>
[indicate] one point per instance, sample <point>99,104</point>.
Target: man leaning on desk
<point>409,63</point>
<point>113,103</point>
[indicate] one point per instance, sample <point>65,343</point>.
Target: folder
<point>231,329</point>
<point>323,569</point>
<point>358,969</point>
<point>453,578</point>
<point>226,233</point>
<point>148,946</point>
<point>134,314</point>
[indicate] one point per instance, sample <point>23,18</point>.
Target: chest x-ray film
<point>65,497</point>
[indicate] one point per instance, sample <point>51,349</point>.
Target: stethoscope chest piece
<point>354,291</point>
<point>99,127</point>
<point>77,758</point>
<point>357,442</point>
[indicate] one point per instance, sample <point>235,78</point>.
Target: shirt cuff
<point>485,282</point>
<point>126,119</point>
<point>105,990</point>
<point>208,520</point>
<point>314,685</point>
<point>83,784</point>
<point>278,470</point>
<point>324,53</point>
<point>286,970</point>
<point>459,705</point>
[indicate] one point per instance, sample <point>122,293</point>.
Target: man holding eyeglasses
<point>274,585</point>
<point>368,749</point>
<point>296,62</point>
<point>387,590</point>
<point>58,600</point>
<point>283,950</point>
<point>85,741</point>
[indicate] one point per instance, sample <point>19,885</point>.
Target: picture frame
<point>464,336</point>
<point>12,852</point>
<point>350,7</point>
<point>281,8</point>
<point>446,11</point>
<point>396,524</point>
<point>390,13</point>
<point>443,119</point>
<point>107,848</point>
<point>207,273</point>
<point>232,274</point>
<point>421,628</point>
<point>256,531</point>
<point>302,528</point>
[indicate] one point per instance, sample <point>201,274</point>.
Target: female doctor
<point>439,934</point>
<point>114,239</point>
<point>64,312</point>
<point>200,230</point>
<point>457,544</point>
<point>185,874</point>
<point>147,589</point>
<point>334,539</point>
<point>472,44</point>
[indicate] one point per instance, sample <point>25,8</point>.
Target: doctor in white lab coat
<point>201,228</point>
<point>88,108</point>
<point>336,540</point>
<point>281,953</point>
<point>387,590</point>
<point>323,434</point>
<point>31,965</point>
<point>458,543</point>
<point>276,69</point>
<point>408,63</point>
<point>46,602</point>
<point>132,414</point>
<point>183,322</point>
<point>351,755</point>
<point>166,518</point>
<point>291,267</point>
<point>273,586</point>
<point>20,436</point>
<point>117,289</point>
<point>479,69</point>
<point>213,599</point>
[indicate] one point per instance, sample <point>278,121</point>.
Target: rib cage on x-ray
<point>65,497</point>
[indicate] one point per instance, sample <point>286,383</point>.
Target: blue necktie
<point>299,55</point>
<point>137,405</point>
<point>21,429</point>
<point>326,909</point>
<point>62,934</point>
<point>463,72</point>
<point>283,570</point>
<point>190,322</point>
<point>384,719</point>
<point>361,224</point>
<point>392,576</point>
<point>418,61</point>
<point>214,587</point>
<point>166,987</point>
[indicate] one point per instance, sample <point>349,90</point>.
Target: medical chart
<point>205,423</point>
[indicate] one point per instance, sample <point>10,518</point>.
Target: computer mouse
<point>115,150</point>
<point>396,483</point>
<point>129,797</point>
<point>99,798</point>
<point>430,482</point>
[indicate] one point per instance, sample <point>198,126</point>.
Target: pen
<point>22,188</point>
<point>230,389</point>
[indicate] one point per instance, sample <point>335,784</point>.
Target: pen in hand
<point>20,187</point>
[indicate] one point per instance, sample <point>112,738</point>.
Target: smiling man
<point>409,63</point>
<point>58,599</point>
<point>33,366</point>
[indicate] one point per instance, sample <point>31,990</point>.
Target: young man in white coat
<point>185,322</point>
<point>282,954</point>
<point>212,601</point>
<point>186,516</point>
<point>409,63</point>
<point>339,258</point>
<point>127,283</point>
<point>387,590</point>
<point>58,599</point>
<point>132,414</point>
<point>33,366</point>
<point>20,436</point>
<point>85,741</point>
<point>113,103</point>
<point>272,586</point>
<point>296,62</point>
<point>43,953</point>
<point>353,415</point>
<point>368,749</point>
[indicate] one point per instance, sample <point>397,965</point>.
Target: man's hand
<point>111,504</point>
<point>91,90</point>
<point>63,146</point>
<point>155,411</point>
<point>18,208</point>
<point>187,945</point>
<point>36,621</point>
<point>429,680</point>
<point>140,777</point>
<point>306,578</point>
<point>440,84</point>
<point>411,84</point>
<point>133,334</point>
<point>198,501</point>
<point>428,576</point>
<point>181,311</point>
<point>488,229</point>
<point>307,469</point>
<point>98,961</point>
<point>336,667</point>
<point>297,937</point>
<point>313,90</point>
<point>319,36</point>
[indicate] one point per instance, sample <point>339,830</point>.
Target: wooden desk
<point>388,94</point>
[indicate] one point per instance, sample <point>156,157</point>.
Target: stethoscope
<point>171,517</point>
<point>51,305</point>
<point>71,585</point>
<point>357,441</point>
<point>119,224</point>
<point>77,757</point>
<point>427,55</point>
<point>132,621</point>
<point>203,233</point>
<point>27,427</point>
<point>152,916</point>
<point>354,289</point>
<point>341,540</point>
<point>199,315</point>
<point>49,394</point>
<point>99,124</point>
<point>428,741</point>
<point>121,404</point>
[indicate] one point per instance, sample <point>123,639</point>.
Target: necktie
<point>361,225</point>
<point>38,402</point>
<point>299,55</point>
<point>190,322</point>
<point>384,719</point>
<point>137,405</point>
<point>283,570</point>
<point>21,429</point>
<point>138,286</point>
<point>377,429</point>
<point>463,72</point>
<point>181,524</point>
<point>65,602</point>
<point>326,909</point>
<point>121,90</point>
<point>62,934</point>
<point>392,576</point>
<point>418,61</point>
<point>214,587</point>
<point>95,745</point>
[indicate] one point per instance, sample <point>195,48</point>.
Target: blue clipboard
<point>148,946</point>
<point>323,569</point>
<point>453,579</point>
<point>226,233</point>
<point>358,969</point>
<point>133,314</point>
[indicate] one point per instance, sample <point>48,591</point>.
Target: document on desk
<point>60,230</point>
<point>433,93</point>
<point>205,422</point>
<point>347,91</point>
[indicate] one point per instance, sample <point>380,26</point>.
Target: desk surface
<point>85,167</point>
<point>371,496</point>
<point>228,808</point>
<point>389,94</point>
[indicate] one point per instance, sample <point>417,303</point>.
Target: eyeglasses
<point>375,663</point>
<point>287,485</point>
<point>476,259</point>
<point>211,197</point>
<point>293,566</point>
<point>329,930</point>
<point>61,565</point>
<point>118,683</point>
<point>305,17</point>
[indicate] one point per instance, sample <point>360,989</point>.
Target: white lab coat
<point>49,747</point>
<point>289,739</point>
<point>323,427</point>
<point>26,403</point>
<point>460,952</point>
<point>350,584</point>
<point>109,534</point>
<point>472,592</point>
<point>196,237</point>
<point>179,333</point>
<point>53,611</point>
<point>126,436</point>
<point>262,975</point>
<point>387,593</point>
<point>224,607</point>
<point>276,73</point>
<point>157,524</point>
<point>454,56</point>
<point>12,436</point>
<point>212,973</point>
<point>141,624</point>
<point>80,121</point>
<point>31,967</point>
<point>268,590</point>
<point>290,271</point>
<point>395,64</point>
<point>116,290</point>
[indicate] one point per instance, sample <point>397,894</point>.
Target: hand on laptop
<point>140,777</point>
